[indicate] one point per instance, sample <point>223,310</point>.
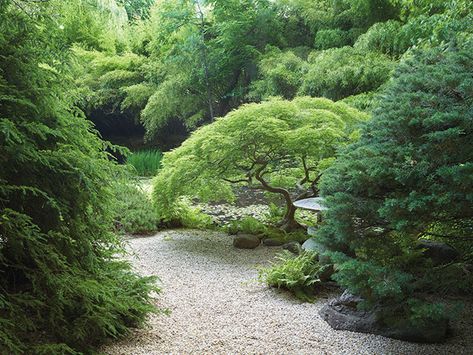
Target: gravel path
<point>218,307</point>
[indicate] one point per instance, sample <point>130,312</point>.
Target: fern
<point>298,274</point>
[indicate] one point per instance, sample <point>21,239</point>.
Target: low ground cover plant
<point>247,225</point>
<point>298,274</point>
<point>133,211</point>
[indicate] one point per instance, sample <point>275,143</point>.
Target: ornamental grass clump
<point>145,162</point>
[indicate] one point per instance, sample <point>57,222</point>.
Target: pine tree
<point>61,287</point>
<point>409,175</point>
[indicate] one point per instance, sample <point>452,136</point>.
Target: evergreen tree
<point>409,176</point>
<point>61,287</point>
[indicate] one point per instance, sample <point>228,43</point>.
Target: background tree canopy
<point>201,59</point>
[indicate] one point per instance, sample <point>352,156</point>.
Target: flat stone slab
<point>312,204</point>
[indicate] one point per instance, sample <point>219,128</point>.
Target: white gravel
<point>218,307</point>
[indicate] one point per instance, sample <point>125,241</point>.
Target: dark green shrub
<point>285,237</point>
<point>411,170</point>
<point>62,288</point>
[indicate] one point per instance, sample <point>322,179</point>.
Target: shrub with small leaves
<point>133,212</point>
<point>63,289</point>
<point>337,73</point>
<point>190,216</point>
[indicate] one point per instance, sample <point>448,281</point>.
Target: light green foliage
<point>363,102</point>
<point>133,212</point>
<point>112,83</point>
<point>340,72</point>
<point>275,213</point>
<point>191,217</point>
<point>145,162</point>
<point>427,24</point>
<point>62,288</point>
<point>199,60</point>
<point>280,74</point>
<point>342,14</point>
<point>251,225</point>
<point>409,175</point>
<point>247,225</point>
<point>298,274</point>
<point>94,24</point>
<point>136,9</point>
<point>299,235</point>
<point>136,96</point>
<point>256,145</point>
<point>171,100</point>
<point>384,37</point>
<point>202,50</point>
<point>332,38</point>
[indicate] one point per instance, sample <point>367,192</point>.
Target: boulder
<point>270,242</point>
<point>439,253</point>
<point>246,241</point>
<point>313,245</point>
<point>293,247</point>
<point>342,313</point>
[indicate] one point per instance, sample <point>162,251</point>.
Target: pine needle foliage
<point>408,174</point>
<point>62,288</point>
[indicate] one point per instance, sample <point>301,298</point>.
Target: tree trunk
<point>205,63</point>
<point>289,222</point>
